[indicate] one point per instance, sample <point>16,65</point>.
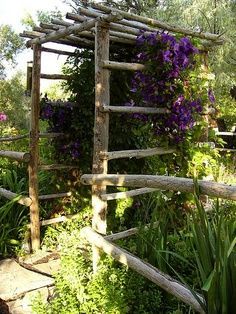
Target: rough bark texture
<point>138,153</point>
<point>131,193</point>
<point>34,150</point>
<point>19,156</point>
<point>101,125</point>
<point>74,29</point>
<point>124,109</point>
<point>210,188</point>
<point>23,200</point>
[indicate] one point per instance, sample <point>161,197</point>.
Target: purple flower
<point>166,56</point>
<point>211,96</point>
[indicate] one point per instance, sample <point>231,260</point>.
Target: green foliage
<point>14,103</point>
<point>10,45</point>
<point>214,244</point>
<point>13,216</point>
<point>113,289</point>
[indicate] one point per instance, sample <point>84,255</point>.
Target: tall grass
<point>214,245</point>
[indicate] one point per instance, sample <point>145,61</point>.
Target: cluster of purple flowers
<point>60,119</point>
<point>3,116</point>
<point>180,119</point>
<point>161,84</point>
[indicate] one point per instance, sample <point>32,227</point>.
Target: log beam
<point>13,138</point>
<point>58,52</point>
<point>126,194</point>
<point>57,167</point>
<point>23,200</point>
<point>74,29</point>
<point>130,232</point>
<point>53,196</point>
<point>54,76</point>
<point>34,149</point>
<point>55,220</point>
<point>137,153</point>
<point>127,109</point>
<point>112,65</point>
<point>160,24</point>
<point>209,188</point>
<point>164,281</point>
<point>19,156</point>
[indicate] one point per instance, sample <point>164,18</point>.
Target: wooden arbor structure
<point>100,28</point>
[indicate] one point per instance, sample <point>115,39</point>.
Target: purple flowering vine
<point>167,61</point>
<point>60,119</point>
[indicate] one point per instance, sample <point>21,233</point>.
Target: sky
<point>12,12</point>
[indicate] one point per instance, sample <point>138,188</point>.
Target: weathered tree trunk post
<point>34,150</point>
<point>101,128</point>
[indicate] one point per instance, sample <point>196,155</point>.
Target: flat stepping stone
<point>15,280</point>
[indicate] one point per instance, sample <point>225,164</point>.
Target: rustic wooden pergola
<point>101,28</point>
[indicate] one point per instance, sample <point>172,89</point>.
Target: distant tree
<point>13,101</point>
<point>10,45</point>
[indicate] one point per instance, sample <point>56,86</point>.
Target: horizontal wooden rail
<point>113,65</point>
<point>127,109</point>
<point>74,29</point>
<point>210,188</point>
<point>126,194</point>
<point>226,133</point>
<point>23,200</point>
<point>59,52</point>
<point>57,167</point>
<point>130,232</point>
<point>19,156</point>
<point>54,76</point>
<point>51,135</point>
<point>20,137</point>
<point>72,42</point>
<point>164,281</point>
<point>137,153</point>
<point>13,138</point>
<point>68,104</point>
<point>52,196</point>
<point>58,219</point>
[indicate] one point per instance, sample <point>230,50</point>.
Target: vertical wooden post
<point>34,150</point>
<point>29,78</point>
<point>101,130</point>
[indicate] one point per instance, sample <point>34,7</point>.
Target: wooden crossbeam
<point>19,156</point>
<point>74,29</point>
<point>13,138</point>
<point>134,109</point>
<point>130,232</point>
<point>54,76</point>
<point>160,24</point>
<point>53,196</point>
<point>58,52</point>
<point>51,135</point>
<point>209,188</point>
<point>23,200</point>
<point>126,194</point>
<point>57,167</point>
<point>164,281</point>
<point>115,36</point>
<point>137,153</point>
<point>113,65</point>
<point>55,220</point>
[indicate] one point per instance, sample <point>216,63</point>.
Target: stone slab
<point>16,280</point>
